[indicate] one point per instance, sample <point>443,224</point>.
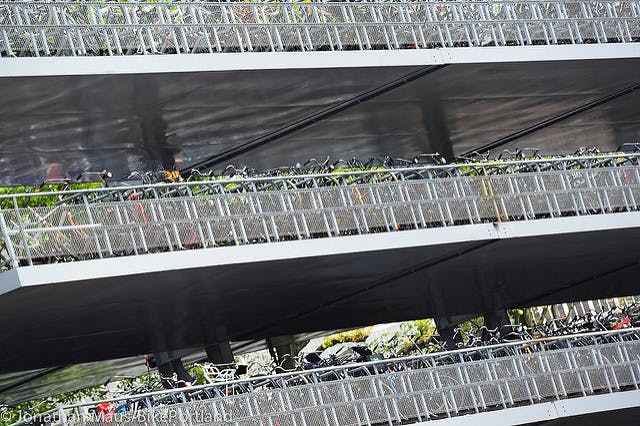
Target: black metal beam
<point>555,119</point>
<point>311,119</point>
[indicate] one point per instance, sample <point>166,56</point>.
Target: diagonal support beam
<point>555,119</point>
<point>312,119</point>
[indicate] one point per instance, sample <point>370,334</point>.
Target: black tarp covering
<point>59,126</point>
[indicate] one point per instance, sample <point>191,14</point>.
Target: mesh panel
<point>132,28</point>
<point>105,227</point>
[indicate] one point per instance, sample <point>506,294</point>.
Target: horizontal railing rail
<point>391,391</point>
<point>54,227</point>
<point>137,28</point>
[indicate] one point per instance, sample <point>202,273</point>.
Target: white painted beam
<point>144,64</point>
<point>545,411</point>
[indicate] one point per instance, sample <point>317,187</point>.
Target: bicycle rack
<point>51,227</point>
<point>132,28</point>
<point>402,390</point>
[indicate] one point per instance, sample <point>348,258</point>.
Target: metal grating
<point>126,221</point>
<point>47,28</point>
<point>397,391</point>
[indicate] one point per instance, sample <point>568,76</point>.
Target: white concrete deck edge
<point>545,411</point>
<point>145,64</point>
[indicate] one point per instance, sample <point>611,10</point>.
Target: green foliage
<point>357,335</point>
<point>522,316</point>
<point>197,373</point>
<point>425,326</point>
<point>415,335</point>
<point>409,339</point>
<point>39,200</point>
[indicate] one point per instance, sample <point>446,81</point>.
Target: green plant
<point>357,335</point>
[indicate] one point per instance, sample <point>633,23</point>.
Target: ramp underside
<point>60,126</point>
<point>17,387</point>
<point>88,320</point>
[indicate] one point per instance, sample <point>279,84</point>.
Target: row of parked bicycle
<point>464,337</point>
<point>472,341</point>
<point>229,389</point>
<point>328,165</point>
<point>358,360</point>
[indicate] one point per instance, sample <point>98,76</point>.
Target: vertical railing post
<point>25,242</point>
<point>79,412</point>
<point>62,417</point>
<point>92,224</point>
<point>7,241</point>
<point>151,412</point>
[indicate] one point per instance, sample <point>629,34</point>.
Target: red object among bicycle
<point>623,323</point>
<point>138,208</point>
<point>106,411</point>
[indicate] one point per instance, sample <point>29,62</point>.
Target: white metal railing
<point>394,391</point>
<point>75,225</point>
<point>44,28</point>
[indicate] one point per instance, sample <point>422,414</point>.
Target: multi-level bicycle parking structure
<point>57,237</point>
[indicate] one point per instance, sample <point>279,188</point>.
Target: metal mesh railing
<point>46,28</point>
<point>75,225</point>
<point>396,391</point>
